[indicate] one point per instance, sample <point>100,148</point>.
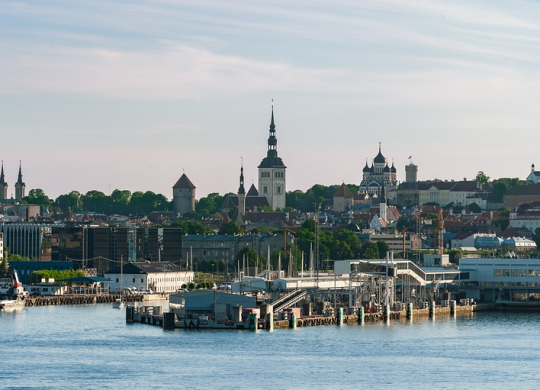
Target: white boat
<point>14,298</point>
<point>12,304</point>
<point>118,304</point>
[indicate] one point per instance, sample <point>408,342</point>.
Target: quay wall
<point>80,299</point>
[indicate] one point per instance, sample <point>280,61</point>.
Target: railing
<point>289,300</point>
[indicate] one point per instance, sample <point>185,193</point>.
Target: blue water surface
<point>92,347</point>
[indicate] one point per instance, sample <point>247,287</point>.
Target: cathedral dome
<point>386,169</point>
<point>366,168</point>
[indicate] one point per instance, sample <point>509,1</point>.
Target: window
<point>506,272</point>
<point>530,272</point>
<point>265,190</point>
<point>497,272</point>
<point>133,280</point>
<point>116,280</point>
<point>522,273</point>
<point>278,190</point>
<point>514,272</point>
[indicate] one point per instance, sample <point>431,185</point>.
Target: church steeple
<point>242,193</point>
<point>272,140</point>
<point>272,180</point>
<point>20,186</point>
<point>241,189</point>
<point>3,184</point>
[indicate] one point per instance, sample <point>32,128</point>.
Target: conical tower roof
<point>184,182</point>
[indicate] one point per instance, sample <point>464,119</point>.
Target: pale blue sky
<point>126,94</point>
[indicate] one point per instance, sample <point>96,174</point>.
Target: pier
<point>81,299</point>
<point>153,315</point>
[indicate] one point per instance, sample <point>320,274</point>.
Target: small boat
<point>14,299</point>
<point>12,304</point>
<point>118,304</point>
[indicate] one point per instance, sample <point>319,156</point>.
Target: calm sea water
<point>91,347</point>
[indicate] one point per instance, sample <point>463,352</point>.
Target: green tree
<point>383,248</point>
<point>71,201</point>
<point>38,197</point>
<point>370,250</point>
<point>230,228</point>
<point>348,245</point>
<point>95,201</point>
<point>503,219</point>
<point>57,275</point>
<point>536,237</point>
<point>475,208</point>
<point>17,257</point>
<point>253,259</point>
<point>192,227</point>
<point>119,200</point>
<point>482,179</point>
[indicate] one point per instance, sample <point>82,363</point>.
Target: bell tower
<point>272,172</point>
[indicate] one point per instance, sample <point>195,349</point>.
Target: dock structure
<point>264,319</point>
<point>81,299</point>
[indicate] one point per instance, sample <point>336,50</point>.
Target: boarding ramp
<point>424,276</point>
<point>288,300</point>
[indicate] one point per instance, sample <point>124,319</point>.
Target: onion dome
<point>379,159</point>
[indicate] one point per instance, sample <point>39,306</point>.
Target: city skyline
<point>129,96</point>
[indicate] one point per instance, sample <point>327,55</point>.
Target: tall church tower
<point>183,196</point>
<point>272,178</point>
<point>3,185</point>
<point>20,187</point>
<point>242,194</point>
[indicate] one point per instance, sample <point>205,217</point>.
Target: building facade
<point>162,277</point>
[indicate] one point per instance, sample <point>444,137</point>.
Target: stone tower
<point>272,173</point>
<point>20,187</point>
<point>3,185</point>
<point>183,196</point>
<point>411,173</point>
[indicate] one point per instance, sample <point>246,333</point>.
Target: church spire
<point>2,178</point>
<point>20,187</point>
<point>19,178</point>
<point>3,184</point>
<point>272,140</point>
<point>241,189</point>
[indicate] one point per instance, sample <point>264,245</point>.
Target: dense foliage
<point>46,274</point>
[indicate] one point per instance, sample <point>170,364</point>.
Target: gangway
<point>289,300</point>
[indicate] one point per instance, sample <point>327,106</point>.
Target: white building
<point>160,277</point>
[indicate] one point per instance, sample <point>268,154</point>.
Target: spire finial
<point>380,146</point>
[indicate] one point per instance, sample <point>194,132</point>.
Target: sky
<point>101,95</point>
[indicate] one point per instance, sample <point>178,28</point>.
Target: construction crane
<point>404,242</point>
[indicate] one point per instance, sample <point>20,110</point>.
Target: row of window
<point>268,174</point>
<point>516,272</point>
<point>152,280</point>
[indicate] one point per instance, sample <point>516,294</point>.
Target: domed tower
<point>379,162</point>
<point>272,172</point>
<point>3,185</point>
<point>183,196</point>
<point>20,187</point>
<point>242,193</point>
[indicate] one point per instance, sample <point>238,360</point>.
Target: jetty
<point>82,299</point>
<point>264,316</point>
